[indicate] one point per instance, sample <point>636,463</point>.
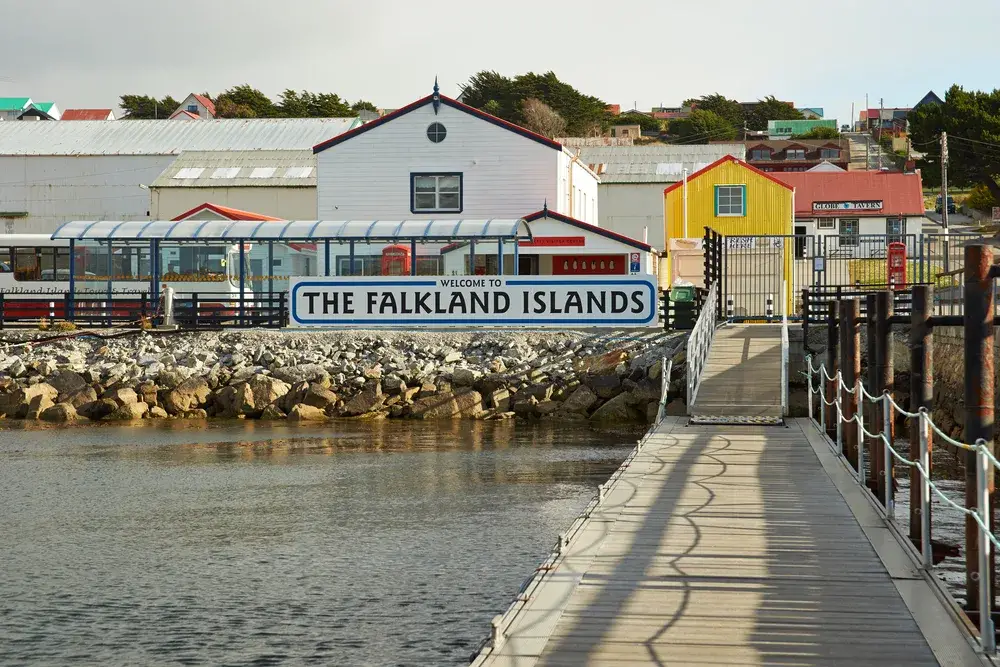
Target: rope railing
<point>984,459</point>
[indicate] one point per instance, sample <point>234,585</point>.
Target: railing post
<point>832,362</point>
<point>809,388</point>
<point>978,302</point>
<point>871,409</point>
<point>194,309</point>
<point>921,395</point>
<point>839,417</point>
<point>860,434</point>
<point>886,479</point>
<point>884,385</point>
<point>925,490</point>
<point>850,352</point>
<point>983,490</point>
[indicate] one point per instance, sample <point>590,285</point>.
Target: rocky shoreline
<point>311,377</point>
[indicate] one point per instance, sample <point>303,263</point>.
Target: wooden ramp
<point>742,376</point>
<point>722,545</point>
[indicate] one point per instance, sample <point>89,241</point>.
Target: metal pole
<point>352,257</point>
<point>72,281</point>
<point>978,294</point>
<point>413,257</point>
<point>921,395</point>
<point>987,637</point>
<point>472,258</point>
<point>886,480</point>
<point>243,273</point>
<point>111,271</point>
<point>832,366</point>
<point>499,257</point>
<point>684,178</point>
<point>850,365</point>
<point>885,384</point>
<point>517,256</point>
<point>861,437</point>
<point>925,491</point>
<point>270,270</point>
<point>326,257</point>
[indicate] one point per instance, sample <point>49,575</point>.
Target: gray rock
<point>156,412</point>
<point>452,357</point>
<point>500,400</point>
<point>234,401</point>
<point>319,397</point>
<point>266,390</point>
<point>302,373</point>
<point>272,412</point>
<point>187,396</point>
<point>302,412</point>
<point>465,377</point>
<point>66,382</point>
<point>129,412</point>
<point>462,403</point>
<point>16,368</point>
<point>367,400</point>
<point>616,411</point>
<point>98,409</point>
<point>605,386</point>
<point>82,397</point>
<point>121,395</point>
<point>580,401</point>
<point>37,405</point>
<point>60,413</point>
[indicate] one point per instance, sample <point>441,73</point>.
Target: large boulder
<point>66,382</point>
<point>147,393</point>
<point>187,396</point>
<point>643,394</point>
<point>301,412</point>
<point>302,373</point>
<point>617,411</point>
<point>266,389</point>
<point>462,403</point>
<point>15,404</point>
<point>129,412</point>
<point>37,405</point>
<point>60,413</point>
<point>465,377</point>
<point>367,400</point>
<point>580,401</point>
<point>272,412</point>
<point>170,378</point>
<point>97,410</point>
<point>81,397</point>
<point>122,395</point>
<point>319,397</point>
<point>233,401</point>
<point>605,386</point>
<point>156,412</point>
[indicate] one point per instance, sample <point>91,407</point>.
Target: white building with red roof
<point>194,107</point>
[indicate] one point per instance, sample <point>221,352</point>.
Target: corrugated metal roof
<point>900,194</point>
<point>163,137</point>
<point>13,103</point>
<point>220,169</point>
<point>86,114</point>
<point>653,163</point>
<point>439,231</point>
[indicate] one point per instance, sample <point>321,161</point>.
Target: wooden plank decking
<point>742,375</point>
<point>724,545</point>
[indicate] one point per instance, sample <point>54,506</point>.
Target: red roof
<point>184,112</point>
<point>725,158</point>
<point>900,194</point>
<point>586,226</point>
<point>225,212</point>
<point>86,114</point>
<point>205,102</point>
<point>448,102</point>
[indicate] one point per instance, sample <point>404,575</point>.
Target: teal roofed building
<point>48,108</point>
<point>12,107</point>
<point>786,129</point>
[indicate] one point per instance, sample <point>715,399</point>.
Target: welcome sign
<point>532,301</point>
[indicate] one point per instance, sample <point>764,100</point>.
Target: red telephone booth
<point>396,260</point>
<point>896,266</point>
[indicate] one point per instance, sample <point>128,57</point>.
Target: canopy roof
<point>424,231</point>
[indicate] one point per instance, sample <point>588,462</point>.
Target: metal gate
<point>752,271</point>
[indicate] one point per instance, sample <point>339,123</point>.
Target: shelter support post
<point>71,303</point>
<point>869,409</point>
<point>499,257</point>
<point>326,257</point>
<point>352,257</point>
<point>111,271</point>
<point>413,257</point>
<point>243,272</point>
<point>472,258</point>
<point>270,269</point>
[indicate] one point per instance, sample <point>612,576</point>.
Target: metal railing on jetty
<point>700,343</point>
<point>859,417</point>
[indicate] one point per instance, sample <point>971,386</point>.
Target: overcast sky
<point>829,54</point>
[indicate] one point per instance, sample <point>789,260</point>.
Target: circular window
<point>436,132</point>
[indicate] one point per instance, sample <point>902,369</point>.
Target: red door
<point>589,265</point>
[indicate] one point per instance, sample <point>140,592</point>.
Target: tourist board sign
<point>451,301</point>
<point>852,205</point>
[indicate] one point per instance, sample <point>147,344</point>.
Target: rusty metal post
<point>832,364</point>
<point>921,396</point>
<point>978,295</point>
<point>870,410</point>
<point>884,383</point>
<point>850,365</point>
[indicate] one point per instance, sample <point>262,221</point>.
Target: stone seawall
<point>607,377</point>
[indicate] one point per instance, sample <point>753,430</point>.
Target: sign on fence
<point>753,242</point>
<point>532,301</point>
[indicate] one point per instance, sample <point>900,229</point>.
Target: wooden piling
<point>850,364</point>
<point>868,409</point>
<point>832,364</point>
<point>978,319</point>
<point>921,393</point>
<point>884,383</point>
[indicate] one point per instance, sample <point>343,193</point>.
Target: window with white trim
<point>849,232</point>
<point>730,200</point>
<point>826,223</point>
<point>436,193</point>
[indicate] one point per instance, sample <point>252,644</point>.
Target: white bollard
<point>167,305</point>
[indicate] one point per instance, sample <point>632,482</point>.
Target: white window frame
<point>826,223</point>
<point>437,178</point>
<point>718,200</point>
<point>852,239</point>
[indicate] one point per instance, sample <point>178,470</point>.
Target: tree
<point>972,121</point>
<point>504,97</point>
<point>701,127</point>
<point>717,103</point>
<point>539,117</point>
<point>770,108</point>
<point>238,101</point>
<point>819,133</point>
<point>646,123</point>
<point>362,105</point>
<point>144,106</point>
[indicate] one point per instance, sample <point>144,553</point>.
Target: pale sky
<point>86,53</point>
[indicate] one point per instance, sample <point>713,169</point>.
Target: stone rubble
<point>314,376</point>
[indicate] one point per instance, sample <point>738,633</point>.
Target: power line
<point>974,141</point>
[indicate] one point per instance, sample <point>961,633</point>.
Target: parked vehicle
<point>951,204</point>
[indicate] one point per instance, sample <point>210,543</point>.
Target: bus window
<point>26,265</point>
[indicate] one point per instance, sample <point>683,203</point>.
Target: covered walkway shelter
<point>213,248</point>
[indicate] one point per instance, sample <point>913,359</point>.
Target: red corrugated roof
<point>225,212</point>
<point>85,114</point>
<point>207,103</point>
<point>901,194</point>
<point>722,160</point>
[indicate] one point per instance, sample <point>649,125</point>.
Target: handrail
<point>984,459</point>
<point>700,343</point>
<point>784,348</point>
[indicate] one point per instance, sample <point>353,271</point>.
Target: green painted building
<point>786,129</point>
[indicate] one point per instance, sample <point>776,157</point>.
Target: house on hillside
<point>797,154</point>
<point>88,114</point>
<point>194,107</point>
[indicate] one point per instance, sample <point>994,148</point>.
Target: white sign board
<point>753,242</point>
<point>438,301</point>
<point>854,205</point>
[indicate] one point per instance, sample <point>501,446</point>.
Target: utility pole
<point>879,146</point>
<point>868,139</point>
<point>944,200</point>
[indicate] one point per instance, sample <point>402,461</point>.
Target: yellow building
<point>734,199</point>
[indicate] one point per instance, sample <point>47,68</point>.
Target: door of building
<point>527,265</point>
